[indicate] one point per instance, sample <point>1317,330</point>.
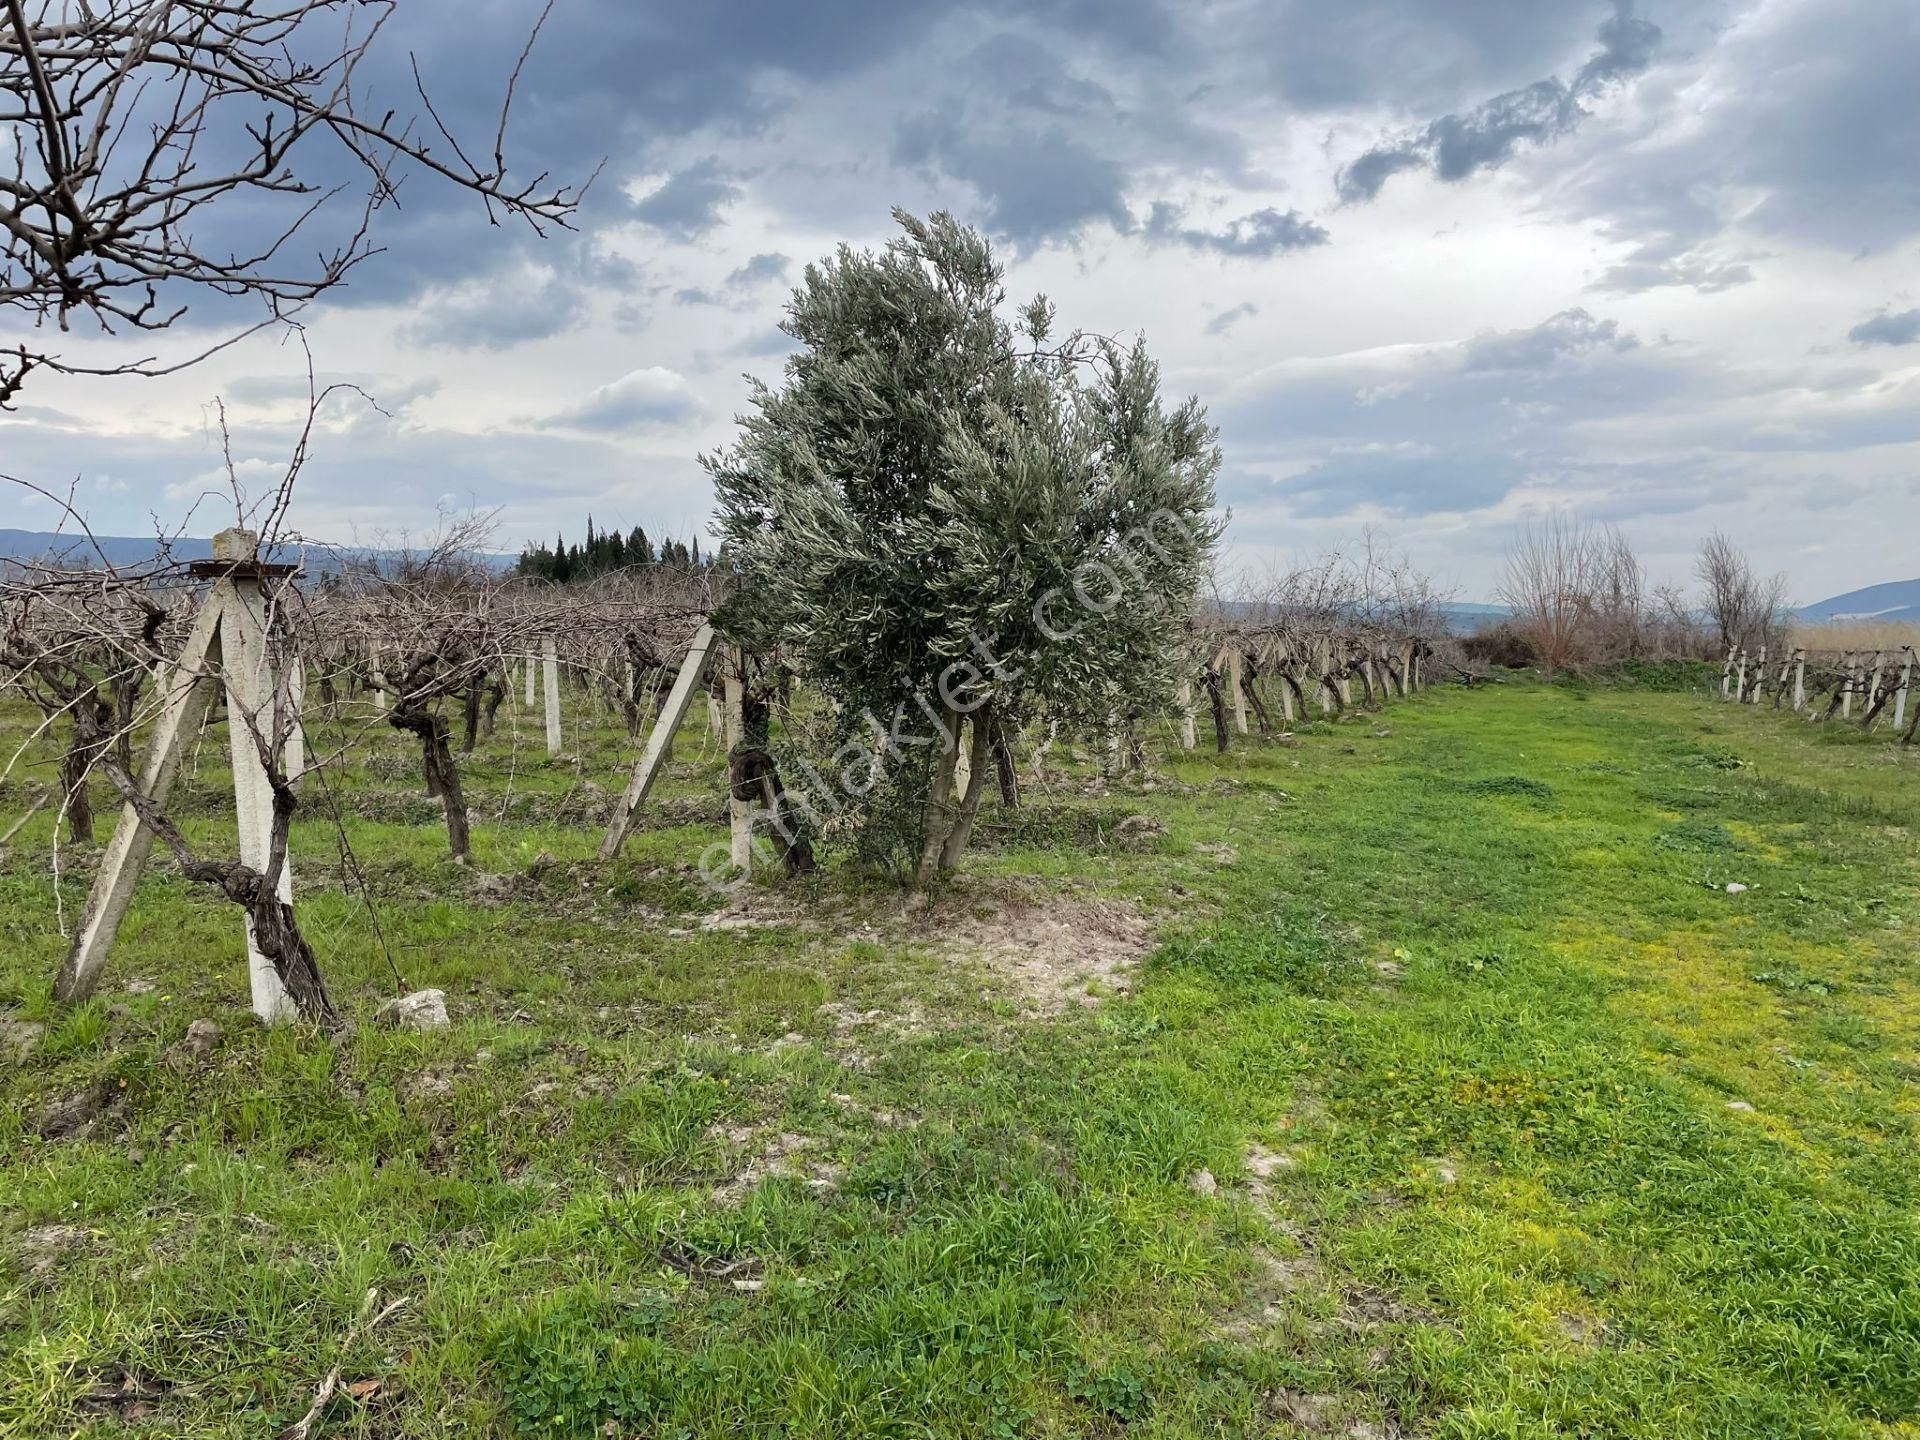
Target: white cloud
<point>639,400</point>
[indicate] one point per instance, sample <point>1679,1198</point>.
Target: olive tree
<point>944,518</point>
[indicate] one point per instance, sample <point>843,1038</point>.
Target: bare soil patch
<point>1054,953</point>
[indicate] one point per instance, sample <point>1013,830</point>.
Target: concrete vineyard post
<point>660,741</point>
<point>189,693</point>
<point>227,647</point>
<point>297,702</point>
<point>550,677</point>
<point>247,670</point>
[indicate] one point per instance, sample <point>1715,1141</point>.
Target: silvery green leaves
<point>941,516</point>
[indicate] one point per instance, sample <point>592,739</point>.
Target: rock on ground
<point>193,1050</point>
<point>422,1010</point>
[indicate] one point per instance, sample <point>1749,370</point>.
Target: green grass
<point>1520,1123</point>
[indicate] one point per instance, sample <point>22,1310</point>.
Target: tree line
<point>605,552</point>
<point>1580,596</point>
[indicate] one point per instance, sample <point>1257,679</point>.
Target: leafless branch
<point>132,120</point>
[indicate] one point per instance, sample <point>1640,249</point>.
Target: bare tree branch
<point>131,120</point>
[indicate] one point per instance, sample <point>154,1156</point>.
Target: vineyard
<point>1315,1052</point>
<point>1014,911</point>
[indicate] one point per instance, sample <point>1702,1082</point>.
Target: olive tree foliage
<point>945,520</point>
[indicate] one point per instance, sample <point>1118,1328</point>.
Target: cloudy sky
<point>1434,265</point>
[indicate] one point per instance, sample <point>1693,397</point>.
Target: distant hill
<point>133,551</point>
<point>1463,617</point>
<point>1895,600</point>
<point>75,549</point>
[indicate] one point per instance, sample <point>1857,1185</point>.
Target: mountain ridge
<point>1892,600</point>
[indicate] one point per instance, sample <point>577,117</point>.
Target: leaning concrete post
<point>1799,680</point>
<point>1759,678</point>
<point>188,691</point>
<point>1873,682</point>
<point>1740,680</point>
<point>1850,677</point>
<point>1185,701</point>
<point>660,742</point>
<point>247,669</point>
<point>1234,662</point>
<point>550,673</point>
<point>1900,695</point>
<point>1726,675</point>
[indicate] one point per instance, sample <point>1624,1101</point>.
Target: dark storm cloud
<point>1462,143</point>
<point>1412,54</point>
<point>1053,137</point>
<point>496,316</point>
<point>1627,45</point>
<point>1540,347</point>
<point>1888,328</point>
<point>1227,319</point>
<point>1052,118</point>
<point>737,291</point>
<point>1808,134</point>
<point>625,81</point>
<point>1406,481</point>
<point>1260,236</point>
<point>608,80</point>
<point>688,203</point>
<point>1034,186</point>
<point>760,270</point>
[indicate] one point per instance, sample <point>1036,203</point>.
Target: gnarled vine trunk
<point>441,774</point>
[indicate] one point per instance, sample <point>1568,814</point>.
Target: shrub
<point>1502,645</point>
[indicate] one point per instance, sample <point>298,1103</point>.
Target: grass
<point>1513,1120</point>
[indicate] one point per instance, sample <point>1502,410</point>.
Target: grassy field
<point>1420,1077</point>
